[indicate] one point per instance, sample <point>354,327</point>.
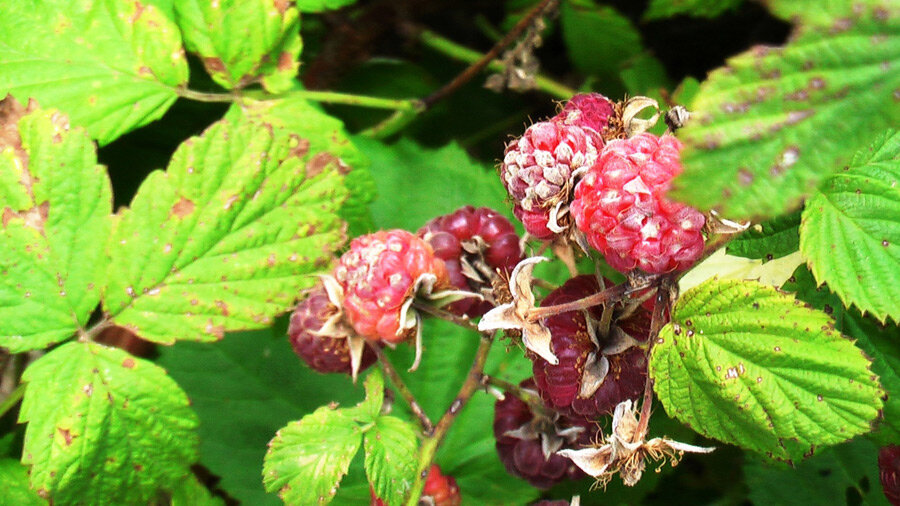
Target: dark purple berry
<point>889,465</point>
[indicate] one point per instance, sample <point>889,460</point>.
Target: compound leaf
<point>748,365</point>
<point>391,458</point>
<point>104,427</point>
<point>111,65</point>
<point>226,238</point>
<point>243,41</point>
<point>56,206</point>
<point>768,127</point>
<point>307,459</point>
<point>850,233</point>
<point>14,484</point>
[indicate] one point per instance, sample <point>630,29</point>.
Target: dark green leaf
<point>770,239</point>
<point>700,8</point>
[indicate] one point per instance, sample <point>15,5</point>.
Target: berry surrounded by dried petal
<point>621,206</point>
<point>539,169</point>
<point>380,276</point>
<point>317,336</point>
<point>475,245</point>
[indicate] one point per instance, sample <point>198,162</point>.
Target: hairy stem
<point>433,441</point>
<point>12,399</point>
<point>437,312</point>
<point>405,392</point>
<point>462,53</point>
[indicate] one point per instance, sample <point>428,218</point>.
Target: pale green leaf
<point>307,459</point>
<point>14,484</point>
<point>243,41</point>
<point>827,479</point>
<point>768,127</point>
<point>748,365</point>
<point>770,239</point>
<point>56,205</point>
<point>699,8</point>
<point>370,408</point>
<point>226,238</point>
<point>321,5</point>
<point>111,65</point>
<point>326,137</point>
<point>850,233</point>
<point>827,14</point>
<point>391,458</point>
<point>104,427</point>
<point>190,492</point>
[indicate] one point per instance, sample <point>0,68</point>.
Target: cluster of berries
<point>576,176</point>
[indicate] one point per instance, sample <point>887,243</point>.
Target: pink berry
<point>379,275</point>
<point>538,170</point>
<point>622,208</point>
<point>326,354</point>
<point>560,385</point>
<point>523,435</point>
<point>587,110</point>
<point>889,466</point>
<point>479,242</point>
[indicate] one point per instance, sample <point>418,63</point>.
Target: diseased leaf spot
<point>67,435</point>
<point>128,363</point>
<point>182,208</point>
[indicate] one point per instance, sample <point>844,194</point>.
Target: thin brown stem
<point>662,304</point>
<point>437,312</point>
<point>488,57</point>
<point>405,392</point>
<point>613,294</point>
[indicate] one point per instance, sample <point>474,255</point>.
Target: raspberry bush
<point>443,253</point>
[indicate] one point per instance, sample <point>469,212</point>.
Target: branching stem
<point>437,312</point>
<point>401,387</point>
<point>613,294</point>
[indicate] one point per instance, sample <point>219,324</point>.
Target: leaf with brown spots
<point>112,66</point>
<point>775,121</point>
<point>104,427</point>
<point>56,205</point>
<point>850,230</point>
<point>751,366</point>
<point>243,41</point>
<point>225,239</point>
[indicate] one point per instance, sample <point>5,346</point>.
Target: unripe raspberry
<point>561,385</point>
<point>522,438</point>
<point>474,244</point>
<point>889,467</point>
<point>539,168</point>
<point>323,353</point>
<point>587,110</point>
<point>621,206</point>
<point>379,276</point>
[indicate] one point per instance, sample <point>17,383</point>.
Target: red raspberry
<point>889,465</point>
<point>571,342</point>
<point>522,437</point>
<point>322,353</point>
<point>538,170</point>
<point>474,244</point>
<point>587,110</point>
<point>442,490</point>
<point>621,206</point>
<point>379,276</point>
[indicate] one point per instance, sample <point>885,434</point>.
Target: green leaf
<point>391,458</point>
<point>432,182</point>
<point>327,138</point>
<point>775,121</point>
<point>700,8</point>
<point>598,38</point>
<point>14,484</point>
<point>322,5</point>
<point>191,492</point>
<point>370,407</point>
<point>243,41</point>
<point>814,13</point>
<point>770,239</point>
<point>748,365</point>
<point>850,233</point>
<point>307,459</point>
<point>56,205</point>
<point>112,66</point>
<point>833,477</point>
<point>250,385</point>
<point>225,239</point>
<point>104,427</point>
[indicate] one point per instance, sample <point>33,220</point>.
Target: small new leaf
<point>850,233</point>
<point>307,459</point>
<point>104,427</point>
<point>55,203</point>
<point>112,66</point>
<point>748,365</point>
<point>243,41</point>
<point>226,238</point>
<point>369,409</point>
<point>391,450</point>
